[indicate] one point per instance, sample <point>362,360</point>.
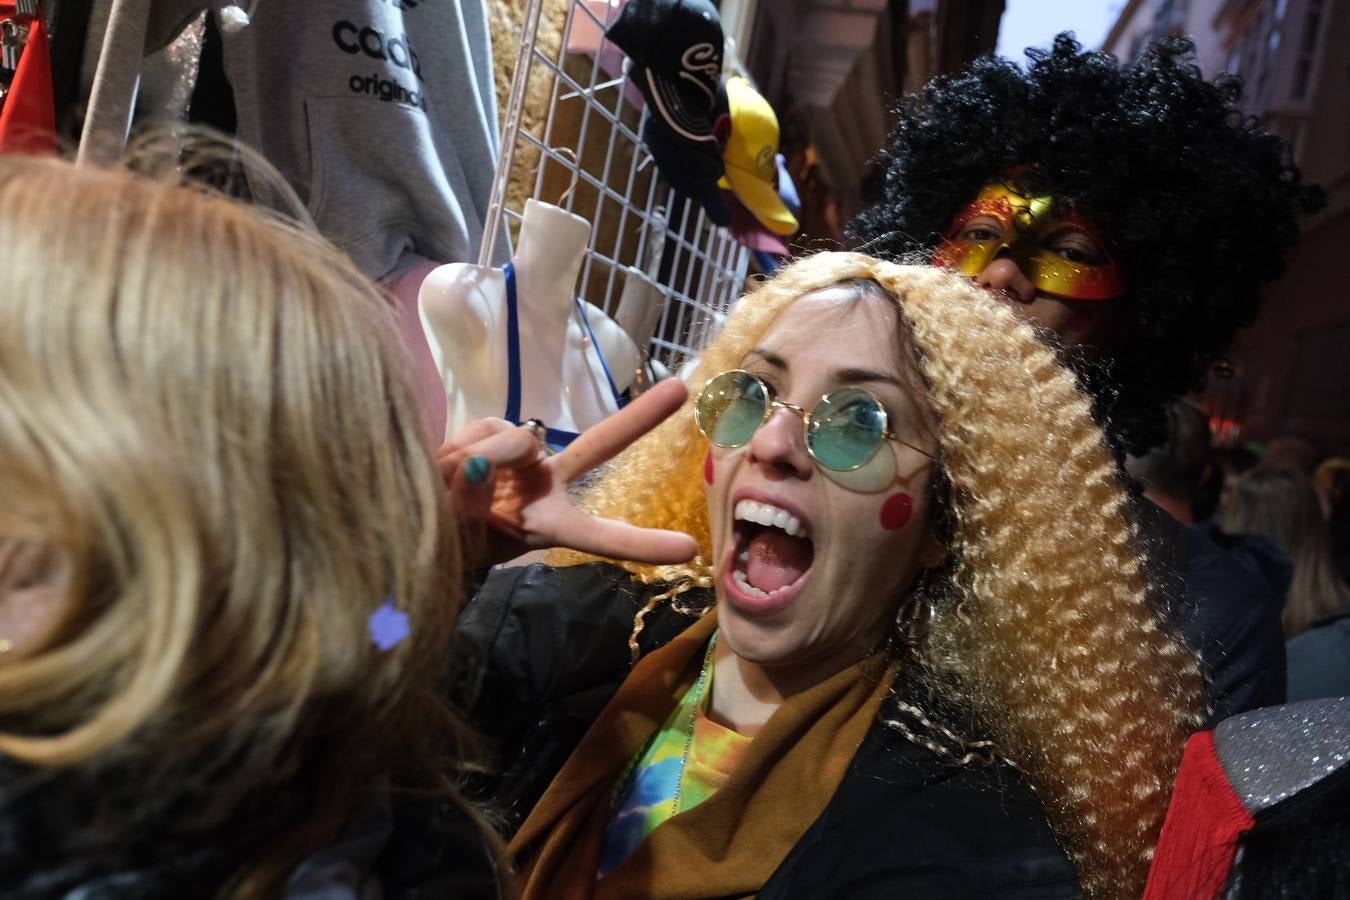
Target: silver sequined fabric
<point>1273,753</point>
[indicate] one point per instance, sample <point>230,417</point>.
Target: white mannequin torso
<point>562,382</point>
<point>640,306</point>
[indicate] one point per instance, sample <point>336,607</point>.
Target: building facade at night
<point>1291,368</point>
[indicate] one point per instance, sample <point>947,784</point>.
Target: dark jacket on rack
<point>541,651</point>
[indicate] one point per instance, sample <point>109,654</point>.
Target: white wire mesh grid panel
<point>591,162</point>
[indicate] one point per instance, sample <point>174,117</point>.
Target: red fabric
<point>28,119</point>
<point>1201,831</point>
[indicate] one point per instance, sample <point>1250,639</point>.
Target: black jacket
<point>1223,609</point>
<point>93,836</point>
<point>542,650</point>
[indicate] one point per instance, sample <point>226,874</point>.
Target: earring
<point>915,614</point>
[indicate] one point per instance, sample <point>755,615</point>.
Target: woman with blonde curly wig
<point>916,631</point>
<point>218,514</point>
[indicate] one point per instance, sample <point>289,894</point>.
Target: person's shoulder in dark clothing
<point>1223,609</point>
<point>536,634</point>
<point>909,822</point>
<point>398,843</point>
<point>1260,554</point>
<point>538,653</point>
<point>1319,660</point>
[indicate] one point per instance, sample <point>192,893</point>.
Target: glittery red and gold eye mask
<point>1060,254</point>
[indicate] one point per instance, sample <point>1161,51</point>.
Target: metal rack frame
<point>699,267</point>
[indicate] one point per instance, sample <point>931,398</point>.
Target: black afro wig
<point>1202,203</point>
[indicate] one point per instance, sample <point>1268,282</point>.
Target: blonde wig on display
<point>206,411</point>
<point>1046,626</point>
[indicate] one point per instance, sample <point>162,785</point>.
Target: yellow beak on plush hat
<point>752,174</point>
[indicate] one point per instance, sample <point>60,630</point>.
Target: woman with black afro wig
<point>1197,206</point>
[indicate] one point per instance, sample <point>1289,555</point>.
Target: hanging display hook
<point>576,172</point>
<point>591,91</point>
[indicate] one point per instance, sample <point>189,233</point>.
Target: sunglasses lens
<point>731,408</point>
<point>847,427</point>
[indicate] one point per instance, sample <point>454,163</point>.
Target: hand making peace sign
<point>522,500</point>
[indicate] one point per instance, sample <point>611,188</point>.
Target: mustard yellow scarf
<point>727,846</point>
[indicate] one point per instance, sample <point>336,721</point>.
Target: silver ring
<point>539,430</point>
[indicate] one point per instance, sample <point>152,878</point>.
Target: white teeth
<point>766,514</point>
<point>744,584</point>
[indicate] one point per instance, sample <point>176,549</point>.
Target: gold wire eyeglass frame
<point>809,425</point>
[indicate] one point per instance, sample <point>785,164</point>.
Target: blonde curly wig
<point>1047,627</point>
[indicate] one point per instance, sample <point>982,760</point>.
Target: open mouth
<point>772,553</point>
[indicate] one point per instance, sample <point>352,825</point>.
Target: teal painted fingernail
<point>476,469</point>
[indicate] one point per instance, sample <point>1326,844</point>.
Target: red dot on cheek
<point>897,511</point>
<point>708,468</point>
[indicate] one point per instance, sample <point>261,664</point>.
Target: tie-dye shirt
<point>647,797</point>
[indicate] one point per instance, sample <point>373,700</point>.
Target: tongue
<point>777,559</point>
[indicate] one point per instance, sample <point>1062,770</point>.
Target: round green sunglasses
<point>842,432</point>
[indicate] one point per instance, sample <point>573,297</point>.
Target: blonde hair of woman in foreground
<point>213,477</point>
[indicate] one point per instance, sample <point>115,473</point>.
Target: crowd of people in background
<point>1281,512</point>
<point>1297,508</point>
